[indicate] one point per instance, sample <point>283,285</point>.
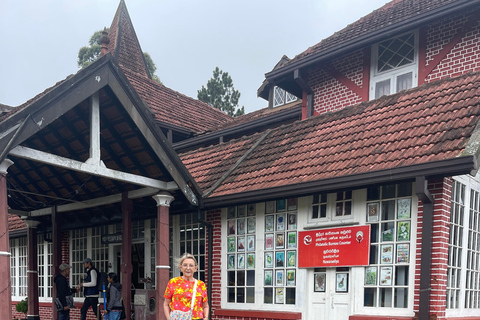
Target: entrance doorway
<point>138,263</point>
<point>331,289</point>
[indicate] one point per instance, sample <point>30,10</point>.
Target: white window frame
<point>259,267</point>
<point>287,97</point>
<point>45,261</point>
<point>470,183</point>
<point>331,210</point>
<point>376,77</point>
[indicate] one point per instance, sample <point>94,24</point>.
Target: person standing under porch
<point>90,290</point>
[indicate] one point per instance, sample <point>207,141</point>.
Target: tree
<point>221,94</point>
<point>87,55</point>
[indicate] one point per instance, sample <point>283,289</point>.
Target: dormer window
<point>281,97</point>
<point>394,65</point>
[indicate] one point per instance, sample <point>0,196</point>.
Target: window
<point>386,282</point>
<point>394,65</point>
<point>319,206</point>
<point>331,206</point>
<point>18,267</point>
<point>241,258</point>
<point>281,97</point>
<point>44,260</point>
<point>192,240</point>
<point>262,253</point>
<point>463,275</point>
<point>78,249</point>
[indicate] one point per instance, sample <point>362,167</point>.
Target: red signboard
<point>334,247</point>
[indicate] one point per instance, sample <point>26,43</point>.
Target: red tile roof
<point>429,123</point>
<point>172,107</point>
<point>15,223</point>
<point>124,44</point>
<point>392,13</point>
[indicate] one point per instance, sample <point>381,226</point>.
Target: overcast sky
<point>186,39</point>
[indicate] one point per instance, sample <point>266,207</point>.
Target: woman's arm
<point>206,310</point>
<point>166,308</point>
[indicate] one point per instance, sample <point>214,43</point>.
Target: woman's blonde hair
<point>182,258</point>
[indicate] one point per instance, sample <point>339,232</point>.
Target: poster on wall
<point>319,282</point>
<point>385,276</point>
<point>334,247</point>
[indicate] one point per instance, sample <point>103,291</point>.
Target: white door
<point>330,293</point>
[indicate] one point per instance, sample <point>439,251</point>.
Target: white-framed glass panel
<point>394,65</point>
<point>78,251</point>
<point>44,261</point>
<point>387,278</point>
<point>281,97</point>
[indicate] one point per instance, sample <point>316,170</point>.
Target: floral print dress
<point>180,291</point>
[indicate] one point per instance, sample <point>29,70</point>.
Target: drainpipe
<point>426,256</point>
<point>210,253</point>
<point>306,88</point>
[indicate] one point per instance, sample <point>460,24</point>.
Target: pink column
<point>162,249</point>
<point>5,286</point>
<point>126,267</point>
<point>32,271</point>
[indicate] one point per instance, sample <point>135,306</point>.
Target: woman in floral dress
<point>179,291</point>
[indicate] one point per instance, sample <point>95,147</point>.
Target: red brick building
<point>374,128</point>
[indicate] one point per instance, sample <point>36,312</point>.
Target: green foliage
<point>221,94</point>
<point>89,54</point>
<point>151,67</point>
<point>22,306</point>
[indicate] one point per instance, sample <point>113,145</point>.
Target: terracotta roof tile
<point>429,123</point>
<point>176,108</point>
<point>394,12</point>
<point>15,223</point>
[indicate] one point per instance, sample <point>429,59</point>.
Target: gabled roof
<point>170,107</point>
<point>57,123</point>
<point>431,131</point>
<point>124,43</point>
<point>394,17</point>
<point>174,108</point>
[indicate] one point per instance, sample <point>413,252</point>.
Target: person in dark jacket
<point>90,290</point>
<point>114,305</point>
<point>64,291</point>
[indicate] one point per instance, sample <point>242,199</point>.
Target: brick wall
<point>329,93</point>
<point>441,192</point>
<point>464,56</point>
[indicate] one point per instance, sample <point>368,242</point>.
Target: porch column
<point>56,255</point>
<point>32,270</point>
<point>162,274</point>
<point>126,267</point>
<point>5,286</point>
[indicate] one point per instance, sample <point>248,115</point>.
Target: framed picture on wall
<point>251,209</point>
<point>280,241</point>
<point>292,240</point>
<point>404,208</point>
<point>292,204</point>
<point>403,231</point>
<point>292,221</point>
<point>280,222</point>
<point>281,205</point>
<point>268,277</point>
<point>279,259</point>
<point>279,277</point>
<point>251,261</point>
<point>290,277</point>
<point>269,241</point>
<point>373,211</point>
<point>269,223</point>
<point>385,276</point>
<point>279,296</point>
<point>231,244</point>
<point>319,285</point>
<point>386,254</point>
<point>241,226</point>
<point>268,259</point>
<point>403,251</point>
<point>250,243</point>
<point>231,261</point>
<point>251,225</point>
<point>342,282</point>
<point>291,258</point>
<point>241,244</point>
<point>241,261</point>
<point>371,276</point>
<point>231,227</point>
<point>241,211</point>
